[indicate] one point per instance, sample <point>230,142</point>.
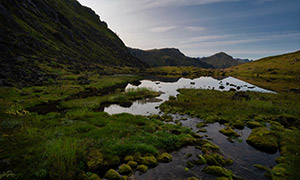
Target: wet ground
<point>243,155</point>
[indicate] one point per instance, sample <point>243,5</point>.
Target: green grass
<point>215,105</point>
<point>281,111</point>
<point>287,65</point>
<point>58,145</point>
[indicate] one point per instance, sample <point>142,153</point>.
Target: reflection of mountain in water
<point>220,78</point>
<point>162,79</point>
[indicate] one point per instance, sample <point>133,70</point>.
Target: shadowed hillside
<point>39,35</point>
<point>222,60</point>
<point>167,57</point>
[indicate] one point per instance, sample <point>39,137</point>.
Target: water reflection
<point>169,88</point>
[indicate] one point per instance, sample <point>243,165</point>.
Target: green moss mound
<point>112,175</point>
<point>165,158</point>
<point>125,169</point>
<point>228,131</point>
<point>218,171</point>
<point>142,168</point>
<point>264,140</point>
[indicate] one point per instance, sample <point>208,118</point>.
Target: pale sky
<point>242,28</point>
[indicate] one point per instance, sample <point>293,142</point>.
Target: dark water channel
<point>243,155</point>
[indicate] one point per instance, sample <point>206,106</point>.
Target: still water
<point>243,155</point>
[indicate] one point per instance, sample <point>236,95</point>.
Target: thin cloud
<point>163,3</point>
<point>163,29</point>
<point>195,28</point>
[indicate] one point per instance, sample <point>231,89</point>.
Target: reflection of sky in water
<point>170,89</point>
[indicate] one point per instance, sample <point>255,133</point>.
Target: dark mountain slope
<point>221,60</point>
<point>167,57</point>
<point>35,34</point>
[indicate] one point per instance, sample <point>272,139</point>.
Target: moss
<point>142,168</point>
<point>218,171</point>
<point>149,161</point>
<point>132,164</point>
<point>280,159</point>
<point>279,172</point>
<point>189,164</point>
<point>209,147</point>
<point>95,159</point>
<point>217,159</point>
<point>254,124</point>
<point>112,175</point>
<point>94,177</point>
<point>238,124</point>
<point>202,130</point>
<point>263,168</point>
<point>128,158</point>
<point>192,178</point>
<point>124,178</point>
<point>125,169</point>
<point>201,160</point>
<point>201,125</point>
<point>165,158</point>
<point>229,132</point>
<point>223,178</point>
<point>264,140</point>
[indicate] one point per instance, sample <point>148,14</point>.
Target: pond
<point>169,86</point>
<point>243,155</point>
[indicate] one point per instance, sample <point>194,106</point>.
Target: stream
<point>243,155</point>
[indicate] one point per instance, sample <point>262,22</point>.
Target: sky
<point>242,28</point>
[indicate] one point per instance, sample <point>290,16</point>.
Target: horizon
<point>241,28</point>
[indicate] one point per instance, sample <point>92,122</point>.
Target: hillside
<point>282,65</point>
<point>222,60</point>
<point>38,36</point>
<point>167,57</point>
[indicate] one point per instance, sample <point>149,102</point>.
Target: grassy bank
<point>254,110</point>
<point>76,140</point>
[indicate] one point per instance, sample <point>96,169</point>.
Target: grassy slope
<point>61,34</point>
<point>287,65</point>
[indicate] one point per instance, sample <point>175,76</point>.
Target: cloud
<point>264,1</point>
<point>195,28</point>
<point>163,29</point>
<point>163,3</point>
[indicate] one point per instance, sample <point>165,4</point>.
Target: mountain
<point>222,60</point>
<point>38,35</point>
<point>167,57</point>
<point>281,65</point>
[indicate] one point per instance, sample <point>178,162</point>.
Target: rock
<point>232,89</point>
<point>165,158</point>
<point>142,168</point>
<point>221,87</point>
<point>128,158</point>
<point>218,171</point>
<point>229,132</point>
<point>112,175</point>
<point>132,164</point>
<point>263,139</point>
<point>125,169</point>
<point>253,124</point>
